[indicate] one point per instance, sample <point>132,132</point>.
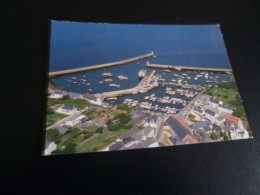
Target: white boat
<point>141,73</point>
<point>107,74</point>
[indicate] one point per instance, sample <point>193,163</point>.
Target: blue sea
<point>75,44</point>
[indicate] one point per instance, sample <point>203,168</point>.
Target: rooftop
<point>116,146</point>
<point>67,107</point>
<point>200,124</point>
<point>232,118</point>
<point>177,127</point>
<point>209,112</point>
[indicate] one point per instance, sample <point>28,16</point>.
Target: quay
<point>76,70</point>
<point>147,83</point>
<point>184,68</point>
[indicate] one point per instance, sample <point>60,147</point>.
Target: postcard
<point>131,86</point>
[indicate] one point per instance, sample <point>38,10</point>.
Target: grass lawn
<point>53,118</point>
<point>79,104</point>
<point>225,95</point>
<point>165,140</point>
<point>101,141</point>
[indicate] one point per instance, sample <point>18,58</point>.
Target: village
<point>85,123</point>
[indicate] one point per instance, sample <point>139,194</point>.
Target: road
<point>159,130</point>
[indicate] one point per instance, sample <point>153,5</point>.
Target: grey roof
<point>116,146</point>
<point>206,128</point>
<point>147,130</point>
<point>75,95</point>
<point>128,140</point>
<point>220,118</point>
<point>175,139</point>
<point>62,130</point>
<point>137,136</point>
<point>149,141</point>
<point>130,133</point>
<point>177,127</point>
<point>137,112</point>
<point>138,119</point>
<point>90,96</point>
<point>197,109</point>
<point>154,118</point>
<point>202,135</point>
<point>203,98</point>
<point>209,112</point>
<point>74,117</point>
<point>216,128</point>
<point>67,107</point>
<point>226,107</point>
<point>200,124</point>
<point>214,101</point>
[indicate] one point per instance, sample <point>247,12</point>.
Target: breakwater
<point>76,70</point>
<point>181,68</point>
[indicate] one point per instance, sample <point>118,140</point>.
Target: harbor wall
<point>76,70</point>
<point>180,68</point>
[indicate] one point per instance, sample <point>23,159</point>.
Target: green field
<point>101,141</point>
<point>53,118</point>
<point>224,95</point>
<point>79,104</point>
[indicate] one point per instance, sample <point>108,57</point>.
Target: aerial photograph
<point>132,86</point>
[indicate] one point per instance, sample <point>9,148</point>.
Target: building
<point>93,99</point>
<point>198,111</point>
<point>56,95</point>
<point>225,109</point>
<point>180,131</point>
<point>148,132</point>
<point>220,119</point>
<point>67,109</point>
<point>238,133</point>
<point>129,141</point>
<point>74,120</point>
<point>139,120</point>
<point>49,147</point>
<point>152,122</point>
<point>116,146</point>
<point>129,133</point>
<point>200,125</point>
<point>202,135</point>
<point>202,99</point>
<point>211,115</point>
<point>215,103</point>
<point>233,121</point>
<point>73,95</point>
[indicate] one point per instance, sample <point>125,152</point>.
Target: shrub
<point>191,116</point>
<point>214,136</point>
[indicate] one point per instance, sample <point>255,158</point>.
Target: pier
<point>147,83</point>
<point>76,70</point>
<point>183,86</point>
<point>185,68</point>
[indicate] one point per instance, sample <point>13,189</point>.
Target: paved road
<point>159,130</point>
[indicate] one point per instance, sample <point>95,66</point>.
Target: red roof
<point>232,118</point>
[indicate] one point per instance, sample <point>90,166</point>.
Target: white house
<point>129,141</point>
<point>74,120</point>
<point>199,111</point>
<point>226,109</point>
<point>56,95</point>
<point>152,122</point>
<point>93,99</point>
<point>238,133</point>
<point>215,103</point>
<point>49,147</point>
<point>67,109</point>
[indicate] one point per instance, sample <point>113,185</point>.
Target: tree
<point>54,135</point>
<point>99,130</point>
<point>191,116</point>
<point>214,136</point>
<point>50,110</point>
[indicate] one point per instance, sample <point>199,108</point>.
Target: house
<point>129,141</point>
<point>93,99</point>
<point>198,110</point>
<point>67,109</point>
<point>49,147</point>
<point>73,95</point>
<point>207,129</point>
<point>62,129</point>
<point>216,128</point>
<point>74,120</point>
<point>94,122</point>
<point>199,125</point>
<point>56,95</point>
<point>152,122</point>
<point>211,115</point>
<point>117,146</point>
<point>214,103</point>
<point>238,133</point>
<point>129,133</point>
<point>148,132</point>
<point>233,121</point>
<point>180,131</point>
<point>225,109</point>
<point>202,135</point>
<point>149,142</point>
<point>136,146</point>
<point>176,140</point>
<point>139,120</point>
<point>220,119</point>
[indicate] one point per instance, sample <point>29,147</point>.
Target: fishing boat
<point>107,74</point>
<point>108,80</point>
<point>100,82</point>
<point>141,73</point>
<point>121,77</point>
<point>114,85</point>
<point>167,70</point>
